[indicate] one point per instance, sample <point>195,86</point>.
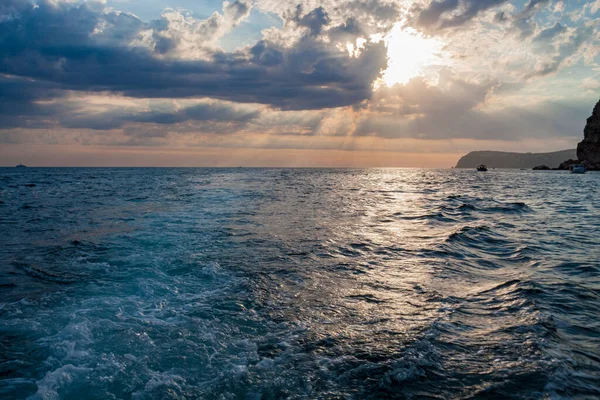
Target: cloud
<point>298,86</point>
<point>205,112</point>
<point>22,106</point>
<point>559,46</point>
<point>83,48</point>
<point>533,5</point>
<point>419,97</point>
<point>590,84</point>
<point>520,44</point>
<point>422,110</point>
<point>451,13</point>
<point>20,102</point>
<point>459,109</point>
<point>178,34</point>
<point>523,23</point>
<point>314,20</point>
<point>548,34</point>
<point>372,14</point>
<point>500,17</point>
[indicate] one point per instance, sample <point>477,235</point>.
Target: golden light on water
<point>409,53</point>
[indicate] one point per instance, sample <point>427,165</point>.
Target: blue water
<point>299,283</point>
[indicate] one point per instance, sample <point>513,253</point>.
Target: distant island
<point>502,159</point>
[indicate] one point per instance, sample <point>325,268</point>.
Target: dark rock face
<point>565,165</point>
<point>588,150</point>
<point>541,168</point>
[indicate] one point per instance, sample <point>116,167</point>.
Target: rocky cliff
<point>588,150</point>
<point>501,159</point>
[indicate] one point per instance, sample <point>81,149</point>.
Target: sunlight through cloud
<point>409,53</point>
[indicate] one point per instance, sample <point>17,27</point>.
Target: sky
<point>302,83</point>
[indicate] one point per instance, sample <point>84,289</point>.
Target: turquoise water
<point>299,283</point>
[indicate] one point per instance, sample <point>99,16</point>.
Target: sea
<point>167,283</point>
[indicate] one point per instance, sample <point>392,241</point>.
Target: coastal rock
<point>588,150</point>
<point>564,166</point>
<point>541,168</point>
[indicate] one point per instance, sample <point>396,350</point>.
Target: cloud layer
<point>83,48</point>
<point>75,72</point>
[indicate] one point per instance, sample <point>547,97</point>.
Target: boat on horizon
<point>21,166</point>
<point>577,169</point>
<point>482,168</point>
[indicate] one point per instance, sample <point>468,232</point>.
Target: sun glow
<point>409,53</point>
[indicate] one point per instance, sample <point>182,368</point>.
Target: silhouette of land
<point>501,159</point>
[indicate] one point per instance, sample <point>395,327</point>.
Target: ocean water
<point>299,284</point>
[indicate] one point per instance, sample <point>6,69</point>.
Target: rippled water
<point>302,284</point>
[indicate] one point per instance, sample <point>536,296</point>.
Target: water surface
<point>299,283</point>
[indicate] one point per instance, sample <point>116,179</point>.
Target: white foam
<point>51,384</point>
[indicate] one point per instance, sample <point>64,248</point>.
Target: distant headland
<point>587,153</point>
<point>502,159</point>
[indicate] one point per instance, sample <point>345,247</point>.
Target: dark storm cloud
<point>18,92</point>
<point>449,13</point>
<point>200,112</point>
<point>80,48</point>
<point>315,20</point>
<point>24,103</point>
<point>19,105</point>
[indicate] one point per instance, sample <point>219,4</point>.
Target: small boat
<point>482,167</point>
<point>20,166</point>
<point>577,169</point>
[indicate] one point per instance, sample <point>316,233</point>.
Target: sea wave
<point>298,283</point>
